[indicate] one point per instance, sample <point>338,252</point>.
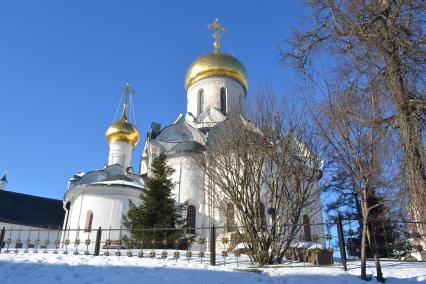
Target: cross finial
<point>218,30</point>
<point>127,91</point>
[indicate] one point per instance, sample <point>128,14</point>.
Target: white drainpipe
<point>64,205</point>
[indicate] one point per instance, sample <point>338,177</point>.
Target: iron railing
<point>212,244</point>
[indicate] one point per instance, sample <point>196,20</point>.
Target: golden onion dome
<point>216,64</point>
<point>122,130</point>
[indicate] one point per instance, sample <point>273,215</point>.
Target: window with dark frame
<point>307,228</point>
<point>89,220</point>
<point>229,217</point>
<point>261,211</point>
<point>223,101</point>
<point>190,219</point>
<point>200,101</point>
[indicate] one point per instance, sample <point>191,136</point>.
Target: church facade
<point>216,88</point>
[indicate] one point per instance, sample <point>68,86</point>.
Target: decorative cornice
<point>215,80</point>
<point>102,190</point>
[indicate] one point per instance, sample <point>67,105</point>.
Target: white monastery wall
<point>24,233</point>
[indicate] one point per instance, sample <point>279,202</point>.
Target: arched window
<point>190,219</point>
<point>229,217</point>
<point>89,219</point>
<point>223,100</point>
<point>200,101</point>
<point>307,228</point>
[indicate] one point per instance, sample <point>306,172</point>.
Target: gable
<point>180,131</point>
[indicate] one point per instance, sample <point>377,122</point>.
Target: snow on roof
<point>181,130</point>
<point>119,182</point>
<point>114,174</point>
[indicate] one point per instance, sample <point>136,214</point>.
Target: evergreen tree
<point>157,211</point>
<point>381,227</point>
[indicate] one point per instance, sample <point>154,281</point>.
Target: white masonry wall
<point>189,188</point>
<point>23,233</point>
<point>108,206</point>
<point>120,152</point>
<point>211,86</point>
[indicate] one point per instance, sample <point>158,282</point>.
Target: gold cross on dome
<point>218,30</point>
<point>127,91</point>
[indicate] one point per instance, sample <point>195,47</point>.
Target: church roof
<point>181,136</point>
<point>187,146</point>
<point>110,175</point>
<point>180,131</point>
<point>29,210</point>
<point>209,118</point>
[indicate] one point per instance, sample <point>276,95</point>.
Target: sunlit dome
<point>216,64</point>
<point>123,130</point>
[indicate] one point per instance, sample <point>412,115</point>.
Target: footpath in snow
<point>48,268</point>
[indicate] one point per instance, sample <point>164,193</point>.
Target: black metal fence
<point>216,245</point>
<point>156,243</point>
<point>391,239</point>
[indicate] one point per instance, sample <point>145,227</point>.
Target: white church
<point>216,87</point>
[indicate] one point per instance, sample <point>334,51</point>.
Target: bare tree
<point>263,164</point>
<point>350,124</point>
<point>380,41</point>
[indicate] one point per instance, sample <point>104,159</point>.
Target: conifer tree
<point>157,211</point>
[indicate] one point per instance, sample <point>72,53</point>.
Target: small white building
<point>100,198</point>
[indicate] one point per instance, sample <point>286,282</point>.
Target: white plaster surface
<point>211,86</point>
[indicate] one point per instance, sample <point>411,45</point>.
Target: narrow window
<point>89,219</point>
<point>261,210</point>
<point>190,219</point>
<point>223,100</point>
<point>200,101</point>
<point>307,228</point>
<point>261,215</point>
<point>229,217</point>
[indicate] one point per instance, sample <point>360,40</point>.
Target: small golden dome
<point>122,130</point>
<point>216,64</point>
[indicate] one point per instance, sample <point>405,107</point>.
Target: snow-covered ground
<point>59,268</point>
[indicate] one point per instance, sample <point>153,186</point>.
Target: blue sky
<point>63,63</point>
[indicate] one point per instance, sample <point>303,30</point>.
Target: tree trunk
<point>410,135</point>
<point>363,250</point>
<point>358,213</point>
<point>376,257</point>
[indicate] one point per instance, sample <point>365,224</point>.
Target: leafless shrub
<point>268,168</point>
